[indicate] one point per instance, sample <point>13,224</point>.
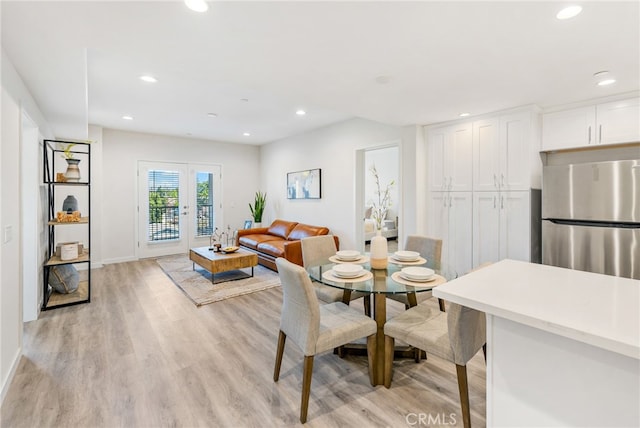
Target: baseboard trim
<point>12,373</point>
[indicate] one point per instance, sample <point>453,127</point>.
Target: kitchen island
<point>563,346</point>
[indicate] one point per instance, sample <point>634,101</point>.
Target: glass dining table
<point>380,283</point>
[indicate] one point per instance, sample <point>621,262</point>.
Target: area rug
<point>196,284</point>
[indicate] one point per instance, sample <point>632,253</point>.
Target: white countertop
<point>600,310</point>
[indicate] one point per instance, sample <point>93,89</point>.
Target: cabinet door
<point>486,155</point>
<point>486,227</point>
<point>436,139</point>
<point>569,128</point>
<point>460,255</point>
<point>619,121</point>
<point>515,152</point>
<point>515,226</point>
<point>437,219</point>
<point>458,157</point>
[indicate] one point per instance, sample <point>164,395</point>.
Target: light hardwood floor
<point>142,355</point>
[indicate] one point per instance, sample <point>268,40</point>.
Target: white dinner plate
<point>431,278</point>
<point>414,273</point>
<point>346,270</point>
<point>406,256</point>
<point>348,255</point>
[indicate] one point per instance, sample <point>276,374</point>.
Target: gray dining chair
<point>430,249</point>
<point>316,251</point>
<point>316,328</point>
<point>455,336</point>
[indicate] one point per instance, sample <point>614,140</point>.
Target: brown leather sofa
<point>281,239</point>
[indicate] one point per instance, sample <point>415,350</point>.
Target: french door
<point>178,206</point>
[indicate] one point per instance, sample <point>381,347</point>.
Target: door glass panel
<point>205,214</point>
<point>164,205</point>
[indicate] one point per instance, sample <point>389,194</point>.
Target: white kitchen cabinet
<point>618,121</point>
<point>501,226</point>
<point>501,153</point>
<point>449,219</point>
<point>449,152</point>
<point>606,123</point>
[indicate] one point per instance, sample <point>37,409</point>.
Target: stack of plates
<point>348,255</point>
<point>347,270</point>
<point>417,274</point>
<point>406,256</point>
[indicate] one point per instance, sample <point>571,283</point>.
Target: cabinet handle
<point>589,134</point>
<point>502,180</point>
<point>502,202</point>
<point>494,202</point>
<point>600,134</point>
<point>495,181</point>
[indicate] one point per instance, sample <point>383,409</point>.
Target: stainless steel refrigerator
<point>591,217</point>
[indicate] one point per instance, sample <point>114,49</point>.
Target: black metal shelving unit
<point>54,166</point>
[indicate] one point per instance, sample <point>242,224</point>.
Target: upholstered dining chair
<point>316,328</point>
<point>316,251</point>
<point>430,249</point>
<point>456,336</point>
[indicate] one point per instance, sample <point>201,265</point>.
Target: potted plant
<point>258,208</point>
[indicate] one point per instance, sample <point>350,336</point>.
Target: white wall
<point>333,149</point>
<point>15,99</point>
<point>121,152</point>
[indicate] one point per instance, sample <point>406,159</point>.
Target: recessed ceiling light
<point>606,82</point>
<point>126,117</point>
<point>244,99</point>
<point>197,5</point>
<point>212,115</point>
<point>148,78</point>
<point>464,114</point>
<point>569,12</point>
<point>301,112</point>
<point>246,134</point>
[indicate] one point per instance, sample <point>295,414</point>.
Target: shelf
<point>67,183</point>
<point>55,260</point>
<point>54,169</point>
<point>81,295</point>
<point>83,220</point>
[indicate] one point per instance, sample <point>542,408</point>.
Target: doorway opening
<point>386,161</point>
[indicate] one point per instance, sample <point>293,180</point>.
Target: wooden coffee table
<point>216,262</point>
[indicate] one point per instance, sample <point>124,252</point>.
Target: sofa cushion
<point>302,231</point>
<point>253,241</point>
<point>272,248</point>
<point>281,228</point>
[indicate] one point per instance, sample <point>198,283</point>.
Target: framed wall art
<point>304,184</point>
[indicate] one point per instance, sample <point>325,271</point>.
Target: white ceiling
<point>82,60</point>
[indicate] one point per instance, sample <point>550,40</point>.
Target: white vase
<point>379,251</point>
<point>257,224</point>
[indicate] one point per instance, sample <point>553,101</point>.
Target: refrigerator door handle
<point>589,134</point>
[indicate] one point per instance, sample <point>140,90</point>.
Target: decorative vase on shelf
<point>70,204</point>
<point>72,174</point>
<point>379,251</point>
